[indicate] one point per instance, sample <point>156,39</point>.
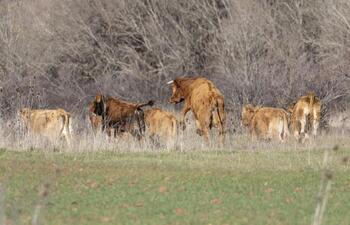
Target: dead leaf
<point>180,211</point>
<point>216,201</point>
<point>162,189</point>
<point>105,219</point>
<point>269,190</point>
<point>139,205</point>
<point>93,184</point>
<point>298,189</point>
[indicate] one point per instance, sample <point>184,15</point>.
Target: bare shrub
<point>60,53</point>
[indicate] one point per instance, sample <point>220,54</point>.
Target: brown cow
<point>122,116</point>
<point>50,123</point>
<point>206,102</point>
<point>266,122</point>
<point>161,123</point>
<point>306,110</point>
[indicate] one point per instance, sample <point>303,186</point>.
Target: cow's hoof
<point>183,126</point>
<point>199,132</point>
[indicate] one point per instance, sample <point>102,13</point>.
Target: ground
<point>197,187</point>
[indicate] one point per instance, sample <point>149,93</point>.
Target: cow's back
<point>204,96</point>
<point>48,122</point>
<point>267,120</point>
<point>160,122</point>
<point>118,109</point>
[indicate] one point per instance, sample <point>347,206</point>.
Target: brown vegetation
<point>60,53</point>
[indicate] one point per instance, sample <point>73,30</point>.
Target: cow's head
<point>99,105</point>
<point>290,108</point>
<point>247,114</point>
<point>178,95</point>
<point>25,114</point>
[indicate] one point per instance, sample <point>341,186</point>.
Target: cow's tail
<point>149,103</point>
<point>140,119</point>
<point>174,127</point>
<point>312,97</point>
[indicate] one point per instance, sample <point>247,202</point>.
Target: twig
<point>325,187</point>
<point>2,205</point>
<point>43,193</point>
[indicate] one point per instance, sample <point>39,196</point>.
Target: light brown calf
<point>266,122</point>
<point>51,123</point>
<point>160,123</point>
<point>306,110</point>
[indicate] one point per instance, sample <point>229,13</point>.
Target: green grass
<point>260,187</point>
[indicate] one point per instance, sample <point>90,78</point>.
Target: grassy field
<point>217,187</point>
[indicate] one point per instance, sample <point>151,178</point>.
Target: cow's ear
<point>311,93</point>
<point>249,108</point>
<point>176,83</point>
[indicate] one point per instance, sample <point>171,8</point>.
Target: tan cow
<point>266,122</point>
<point>160,123</point>
<point>306,110</point>
<point>206,102</point>
<point>95,120</point>
<point>50,123</point>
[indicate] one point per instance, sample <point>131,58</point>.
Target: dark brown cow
<point>122,116</point>
<point>206,102</point>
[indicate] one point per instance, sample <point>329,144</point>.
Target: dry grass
<point>16,137</point>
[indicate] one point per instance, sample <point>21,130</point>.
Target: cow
<point>50,123</point>
<point>206,102</point>
<point>95,120</point>
<point>305,112</point>
<point>266,122</point>
<point>120,115</point>
<point>160,123</point>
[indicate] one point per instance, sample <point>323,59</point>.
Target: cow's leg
<point>109,132</point>
<point>315,122</point>
<point>221,133</point>
<point>296,129</point>
<point>205,133</point>
<point>302,128</point>
<point>253,130</point>
<point>66,133</point>
<point>278,132</point>
<point>199,128</point>
<point>302,123</point>
<point>204,123</point>
<point>315,127</point>
<point>184,112</point>
<point>67,136</point>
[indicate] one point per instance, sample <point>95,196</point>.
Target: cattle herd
<point>117,117</point>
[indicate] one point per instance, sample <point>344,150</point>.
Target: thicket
<point>60,53</point>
